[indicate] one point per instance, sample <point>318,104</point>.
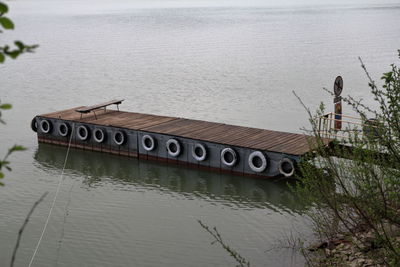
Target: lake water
<point>204,61</point>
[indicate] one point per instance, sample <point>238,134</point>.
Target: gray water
<point>203,60</point>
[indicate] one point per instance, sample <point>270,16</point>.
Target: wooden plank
<point>245,134</point>
<point>273,141</point>
<point>282,144</point>
<point>204,127</point>
<point>133,120</point>
<point>252,141</point>
<point>155,122</point>
<point>227,135</point>
<point>179,128</point>
<point>270,139</point>
<point>167,127</point>
<point>208,135</point>
<point>288,145</point>
<point>196,127</point>
<point>282,140</point>
<point>198,133</point>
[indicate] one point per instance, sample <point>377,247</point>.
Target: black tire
<point>229,157</point>
<point>34,125</point>
<point>46,126</point>
<point>119,138</point>
<point>83,133</point>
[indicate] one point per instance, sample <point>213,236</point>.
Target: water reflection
<point>98,169</point>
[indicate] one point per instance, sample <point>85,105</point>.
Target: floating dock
<point>208,145</point>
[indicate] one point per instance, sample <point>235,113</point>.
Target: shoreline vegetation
<point>354,196</point>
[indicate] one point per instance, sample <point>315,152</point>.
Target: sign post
<point>337,88</point>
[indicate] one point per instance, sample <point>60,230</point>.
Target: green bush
<point>354,186</point>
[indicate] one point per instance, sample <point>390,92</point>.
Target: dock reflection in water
<point>99,169</point>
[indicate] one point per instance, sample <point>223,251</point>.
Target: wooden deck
<point>258,139</point>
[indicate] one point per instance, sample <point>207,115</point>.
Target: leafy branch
<point>4,163</point>
<point>218,239</point>
<point>11,52</point>
<point>19,47</point>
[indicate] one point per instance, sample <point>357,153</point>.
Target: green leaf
<point>16,148</point>
<point>3,8</point>
<point>6,23</point>
<point>6,106</point>
<point>388,77</point>
<point>20,45</point>
<point>1,175</point>
<point>2,58</point>
<point>14,54</point>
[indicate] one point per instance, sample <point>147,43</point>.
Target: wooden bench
<point>104,105</point>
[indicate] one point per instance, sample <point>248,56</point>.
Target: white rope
<point>54,200</point>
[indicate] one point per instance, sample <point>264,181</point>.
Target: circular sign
<point>338,85</point>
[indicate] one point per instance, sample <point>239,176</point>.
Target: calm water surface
<point>236,65</point>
